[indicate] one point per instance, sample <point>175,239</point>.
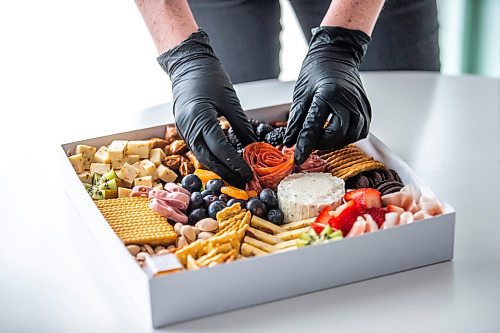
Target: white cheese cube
<point>128,173</point>
<point>124,192</point>
<point>99,168</point>
<point>88,153</point>
<point>77,162</point>
<point>131,159</point>
<point>144,181</point>
<point>116,150</point>
<point>85,177</point>
<point>118,163</point>
<point>141,148</point>
<point>157,156</point>
<point>101,156</point>
<point>158,186</point>
<point>147,168</point>
<point>166,174</point>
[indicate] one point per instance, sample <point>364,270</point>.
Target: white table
<point>446,128</point>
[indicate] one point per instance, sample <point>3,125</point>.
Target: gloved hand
<point>329,84</point>
<point>202,92</point>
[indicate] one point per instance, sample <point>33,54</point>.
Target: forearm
<point>169,21</point>
<point>353,14</point>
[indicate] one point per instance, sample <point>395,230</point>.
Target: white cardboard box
<point>164,300</point>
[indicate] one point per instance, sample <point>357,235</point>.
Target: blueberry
<point>192,183</point>
<point>196,215</point>
<point>214,185</point>
<point>196,201</point>
<point>224,197</point>
<point>209,199</point>
<point>208,192</point>
<point>232,201</point>
<point>269,198</point>
<point>215,207</point>
<point>256,207</point>
<point>275,216</point>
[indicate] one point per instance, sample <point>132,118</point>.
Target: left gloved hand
<point>329,84</point>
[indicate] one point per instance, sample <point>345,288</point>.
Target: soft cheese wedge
<point>304,195</point>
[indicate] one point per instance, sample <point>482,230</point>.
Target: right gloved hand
<point>202,92</point>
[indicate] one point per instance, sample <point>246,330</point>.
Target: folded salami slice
<point>269,165</point>
<point>314,163</point>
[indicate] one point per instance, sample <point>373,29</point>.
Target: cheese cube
<point>118,163</point>
<point>166,174</point>
<point>144,181</point>
<point>131,159</point>
<point>147,168</point>
<point>116,150</point>
<point>99,168</point>
<point>124,192</point>
<point>101,156</point>
<point>157,156</point>
<point>141,148</point>
<point>77,162</point>
<point>158,186</point>
<point>88,153</point>
<point>128,173</point>
<point>85,177</point>
<point>137,165</point>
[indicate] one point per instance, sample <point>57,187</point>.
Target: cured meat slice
<point>269,165</point>
<point>314,163</point>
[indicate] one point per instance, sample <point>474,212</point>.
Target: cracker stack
<point>264,237</point>
<point>348,162</point>
<point>224,246</point>
<point>135,223</point>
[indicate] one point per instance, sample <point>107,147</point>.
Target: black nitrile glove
<point>202,92</point>
<point>329,84</point>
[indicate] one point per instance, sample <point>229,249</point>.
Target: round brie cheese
<point>304,195</point>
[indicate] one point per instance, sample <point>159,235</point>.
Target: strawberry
<point>318,227</point>
<point>378,215</point>
<point>366,197</point>
<point>347,217</point>
<point>324,216</point>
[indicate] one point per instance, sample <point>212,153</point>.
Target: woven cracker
<point>135,223</point>
<point>373,165</point>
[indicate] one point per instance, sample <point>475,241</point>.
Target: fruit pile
<point>209,195</point>
<point>365,210</point>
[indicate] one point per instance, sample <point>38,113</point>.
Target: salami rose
<point>269,165</point>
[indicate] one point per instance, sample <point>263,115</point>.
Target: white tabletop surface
<point>54,279</point>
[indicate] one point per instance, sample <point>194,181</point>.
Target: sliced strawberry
<point>324,216</point>
<point>318,227</point>
<point>378,215</point>
<point>366,197</point>
<point>347,217</point>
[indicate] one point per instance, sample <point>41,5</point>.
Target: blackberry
<point>276,136</point>
<point>262,130</point>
